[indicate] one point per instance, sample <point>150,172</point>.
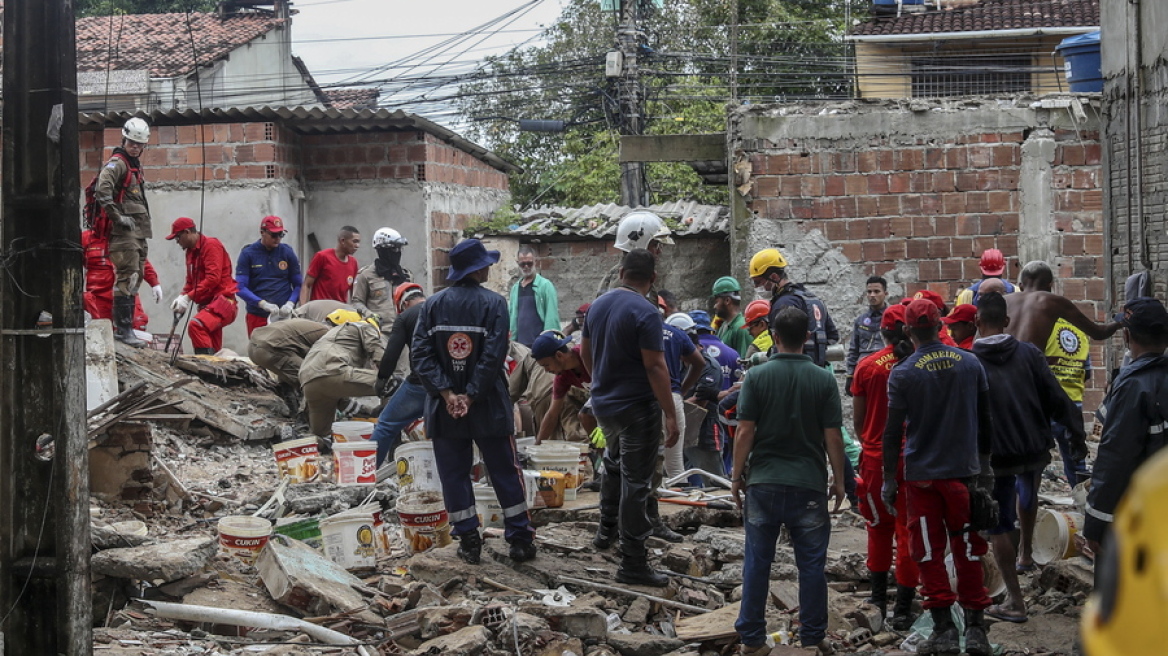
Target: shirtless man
<point>1035,310</point>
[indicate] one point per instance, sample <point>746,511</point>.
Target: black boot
<point>522,550</point>
<point>204,351</point>
<point>605,534</point>
<point>976,641</point>
<point>902,615</point>
<point>470,547</point>
<point>944,640</point>
<point>634,567</point>
<point>660,530</point>
<point>124,322</point>
<point>879,598</point>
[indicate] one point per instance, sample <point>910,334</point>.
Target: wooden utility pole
<point>45,603</point>
<point>631,98</point>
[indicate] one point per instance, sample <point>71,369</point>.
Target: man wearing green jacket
<point>534,306</point>
<point>728,310</point>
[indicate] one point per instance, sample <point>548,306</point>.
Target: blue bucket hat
<point>701,320</point>
<point>548,342</point>
<point>469,255</point>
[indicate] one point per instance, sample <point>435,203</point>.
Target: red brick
<point>825,209</point>
<point>800,164</point>
<point>910,204</point>
<point>194,155</point>
<point>1007,156</point>
<point>777,164</point>
<point>1000,201</point>
<point>1010,222</point>
<point>909,159</point>
<point>888,205</point>
<point>921,182</point>
<point>852,250</point>
<point>900,226</point>
<point>866,161</point>
<point>845,208</point>
<point>977,202</point>
<point>945,226</point>
<point>844,162</point>
<point>980,244</point>
<point>152,157</point>
<point>186,174</point>
<point>934,158</point>
<point>963,247</point>
<point>918,249</point>
<point>956,158</point>
<point>991,224</point>
<point>939,248</point>
<point>176,156</point>
<point>766,187</point>
<point>899,183</point>
<point>931,204</point>
<point>896,249</point>
<point>1071,155</point>
<point>1092,154</point>
<point>802,208</point>
<point>951,270</point>
<point>878,184</point>
<point>980,157</point>
<point>1093,200</point>
<point>922,226</point>
<point>1093,244</point>
<point>874,251</point>
<point>929,269</point>
<point>810,185</point>
<point>1073,244</point>
<point>1007,179</point>
<point>866,206</point>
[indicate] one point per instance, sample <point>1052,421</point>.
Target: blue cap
<point>469,255</point>
<point>1144,314</point>
<point>701,320</point>
<point>548,342</point>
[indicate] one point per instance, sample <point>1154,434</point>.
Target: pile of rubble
<point>163,587</point>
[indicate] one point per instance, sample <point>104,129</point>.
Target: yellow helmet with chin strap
<point>343,316</point>
<point>765,260</point>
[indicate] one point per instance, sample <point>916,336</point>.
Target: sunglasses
<point>277,235</point>
<point>526,264</point>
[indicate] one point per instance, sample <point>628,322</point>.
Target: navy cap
<point>1145,314</point>
<point>548,342</point>
<point>701,320</point>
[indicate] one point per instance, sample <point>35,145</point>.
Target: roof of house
<point>987,15</point>
<point>687,218</point>
<point>365,98</point>
<point>161,43</point>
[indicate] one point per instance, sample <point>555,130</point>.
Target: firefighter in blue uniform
<point>458,353</point>
<point>768,270</point>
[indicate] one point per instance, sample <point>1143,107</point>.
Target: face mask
<point>762,290</point>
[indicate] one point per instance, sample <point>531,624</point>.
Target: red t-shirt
<point>566,380</point>
<point>333,279</point>
<point>871,382</point>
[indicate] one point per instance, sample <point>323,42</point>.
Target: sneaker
<point>522,550</point>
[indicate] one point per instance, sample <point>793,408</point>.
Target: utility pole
<point>45,602</point>
<point>631,98</point>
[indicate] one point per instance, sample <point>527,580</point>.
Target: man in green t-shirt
<point>789,419</point>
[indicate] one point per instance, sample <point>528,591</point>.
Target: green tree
<point>108,7</point>
<point>787,49</point>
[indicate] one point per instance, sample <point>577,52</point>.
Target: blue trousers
<point>404,408</point>
<point>804,512</point>
<point>1076,470</point>
<point>454,456</point>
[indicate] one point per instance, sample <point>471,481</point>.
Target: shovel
<point>712,505</point>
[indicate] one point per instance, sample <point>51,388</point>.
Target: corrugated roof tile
<point>987,15</point>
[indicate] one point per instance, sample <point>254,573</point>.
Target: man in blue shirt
<point>267,274</point>
<point>623,349</point>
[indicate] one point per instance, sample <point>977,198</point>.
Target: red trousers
<point>882,527</point>
<point>206,329</point>
<point>99,297</point>
<point>938,512</point>
<point>254,321</point>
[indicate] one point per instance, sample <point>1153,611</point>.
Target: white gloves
<point>286,311</point>
<point>180,304</point>
<point>157,289</point>
<point>271,308</point>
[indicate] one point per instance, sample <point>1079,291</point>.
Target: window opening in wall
<point>940,76</point>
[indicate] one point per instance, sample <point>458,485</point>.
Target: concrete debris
<point>163,562</point>
<point>643,644</point>
<point>469,641</point>
<point>298,576</point>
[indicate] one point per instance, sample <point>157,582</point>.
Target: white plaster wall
<point>258,74</point>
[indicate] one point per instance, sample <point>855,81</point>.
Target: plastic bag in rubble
<point>923,628</point>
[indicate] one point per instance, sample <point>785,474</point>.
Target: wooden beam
<point>673,148</point>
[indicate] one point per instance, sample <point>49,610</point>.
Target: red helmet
<point>756,310</point>
<point>404,292</point>
<point>993,263</point>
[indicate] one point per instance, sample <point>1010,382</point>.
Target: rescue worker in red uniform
<point>209,285</point>
<point>99,281</point>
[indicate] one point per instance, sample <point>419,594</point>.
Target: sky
<point>340,39</point>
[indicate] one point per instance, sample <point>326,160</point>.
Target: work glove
<point>985,479</point>
<point>888,494</point>
<point>597,438</point>
<point>126,222</point>
<point>271,308</point>
<point>157,290</point>
<point>180,304</point>
<point>387,386</point>
<point>848,385</point>
<point>286,309</point>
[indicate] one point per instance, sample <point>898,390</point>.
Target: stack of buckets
<point>421,510</point>
<point>354,453</point>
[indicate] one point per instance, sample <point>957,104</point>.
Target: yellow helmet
<point>766,259</point>
<point>342,316</point>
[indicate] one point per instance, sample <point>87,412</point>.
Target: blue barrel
<point>1083,66</point>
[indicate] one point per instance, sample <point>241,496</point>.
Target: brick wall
<point>919,205</point>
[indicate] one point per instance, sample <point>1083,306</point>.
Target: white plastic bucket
<point>352,431</point>
<point>350,540</point>
<point>424,522</point>
<point>991,577</point>
<point>563,457</point>
<point>531,488</point>
<point>297,459</point>
<point>417,471</point>
<point>132,527</point>
<point>1054,535</point>
<point>243,537</point>
<point>355,463</point>
<point>487,504</point>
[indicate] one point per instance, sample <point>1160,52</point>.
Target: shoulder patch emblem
<point>283,265</point>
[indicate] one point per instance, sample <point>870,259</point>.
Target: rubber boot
<point>944,640</point>
<point>124,322</point>
<point>977,643</point>
<point>605,534</point>
<point>470,547</point>
<point>660,530</point>
<point>634,568</point>
<point>522,550</point>
<point>902,615</point>
<point>879,599</point>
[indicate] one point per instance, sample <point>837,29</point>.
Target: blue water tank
<point>1083,65</point>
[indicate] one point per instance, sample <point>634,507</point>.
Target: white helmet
<point>136,130</point>
<point>388,237</point>
<point>681,321</point>
<point>640,227</point>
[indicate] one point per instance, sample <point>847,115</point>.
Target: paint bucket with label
<point>531,488</point>
<point>243,537</point>
<point>297,459</point>
<point>551,488</point>
<point>417,471</point>
<point>305,530</point>
<point>349,540</point>
<point>563,457</point>
<point>991,575</point>
<point>352,431</point>
<point>423,520</point>
<point>488,506</point>
<point>355,463</point>
<point>1054,535</point>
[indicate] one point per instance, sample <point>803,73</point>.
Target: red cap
<point>922,313</point>
<point>993,263</point>
<point>932,297</point>
<point>583,309</point>
<point>180,224</point>
<point>273,224</point>
<point>892,314</point>
<point>963,313</point>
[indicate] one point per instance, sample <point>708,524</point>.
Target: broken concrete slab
<point>166,561</point>
<point>727,544</point>
<point>297,576</point>
<point>468,641</point>
<point>711,626</point>
<point>1067,576</point>
<point>228,593</point>
<point>563,647</point>
<point>638,611</point>
<point>643,644</point>
<point>586,623</point>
